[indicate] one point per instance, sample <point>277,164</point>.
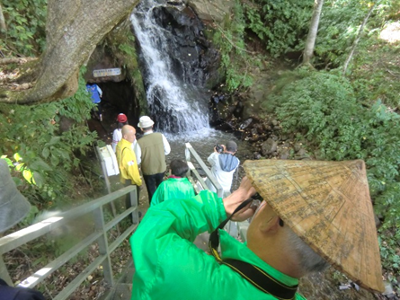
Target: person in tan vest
<point>154,146</point>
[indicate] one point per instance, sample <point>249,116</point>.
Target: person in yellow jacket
<point>127,161</point>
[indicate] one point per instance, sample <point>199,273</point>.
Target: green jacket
<point>173,188</point>
<point>169,266</point>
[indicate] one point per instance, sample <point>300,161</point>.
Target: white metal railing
<point>189,152</point>
<point>99,236</point>
<point>234,228</point>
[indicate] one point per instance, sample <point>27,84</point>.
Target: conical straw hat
<point>328,205</point>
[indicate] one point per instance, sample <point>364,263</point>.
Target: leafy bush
<point>26,23</point>
<point>34,133</point>
<point>323,108</point>
<point>282,25</point>
<point>234,56</point>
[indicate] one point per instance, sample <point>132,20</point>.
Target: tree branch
<point>353,48</point>
<point>3,26</point>
<point>73,30</point>
<point>18,60</point>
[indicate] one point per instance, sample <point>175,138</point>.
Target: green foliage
<point>323,108</point>
<point>389,249</point>
<point>234,56</point>
<point>26,22</point>
<point>282,25</point>
<point>338,27</point>
<point>375,74</point>
<point>340,23</point>
<point>34,132</point>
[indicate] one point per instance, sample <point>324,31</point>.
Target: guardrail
<point>99,236</point>
<point>234,228</point>
<point>189,152</point>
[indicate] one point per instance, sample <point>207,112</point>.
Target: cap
<point>13,206</point>
<point>327,204</point>
<point>231,146</point>
<point>122,118</point>
<point>145,122</point>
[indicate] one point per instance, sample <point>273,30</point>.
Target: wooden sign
<point>107,72</point>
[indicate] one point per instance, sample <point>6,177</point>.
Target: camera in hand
<point>219,148</point>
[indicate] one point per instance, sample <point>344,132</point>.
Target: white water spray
<point>176,106</point>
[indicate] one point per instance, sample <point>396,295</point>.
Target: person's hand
<point>244,192</point>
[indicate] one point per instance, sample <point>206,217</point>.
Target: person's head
<point>122,120</point>
<point>145,123</point>
<point>231,147</point>
<point>267,229</point>
<point>315,206</point>
<point>179,168</point>
<point>128,133</point>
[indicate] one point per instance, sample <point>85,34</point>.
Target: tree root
<point>18,60</point>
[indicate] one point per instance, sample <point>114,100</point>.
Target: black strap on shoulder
<point>257,277</point>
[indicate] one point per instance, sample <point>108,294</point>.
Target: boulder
<point>269,147</point>
<point>211,11</point>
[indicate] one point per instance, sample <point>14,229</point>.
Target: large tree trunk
<point>73,30</point>
<point>312,34</point>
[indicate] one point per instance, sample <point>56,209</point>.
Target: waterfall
<point>175,103</point>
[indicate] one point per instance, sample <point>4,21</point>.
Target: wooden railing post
<point>103,245</point>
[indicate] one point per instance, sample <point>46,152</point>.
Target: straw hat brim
<point>328,205</point>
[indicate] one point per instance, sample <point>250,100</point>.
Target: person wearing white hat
<point>154,146</point>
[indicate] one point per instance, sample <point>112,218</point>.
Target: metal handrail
<point>236,228</point>
<point>37,230</point>
<point>189,152</point>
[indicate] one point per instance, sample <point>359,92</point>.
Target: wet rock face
<point>193,57</point>
<point>227,113</point>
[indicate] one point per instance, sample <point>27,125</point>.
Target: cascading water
<point>177,105</point>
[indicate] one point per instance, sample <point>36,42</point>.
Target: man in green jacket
<point>177,186</point>
<point>299,201</point>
